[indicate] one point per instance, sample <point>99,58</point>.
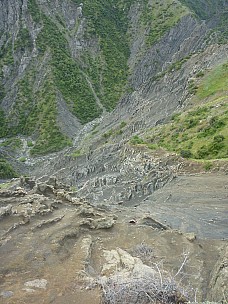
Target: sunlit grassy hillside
<point>202,132</point>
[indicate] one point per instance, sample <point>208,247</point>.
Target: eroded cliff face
<point>60,65</point>
<point>65,63</point>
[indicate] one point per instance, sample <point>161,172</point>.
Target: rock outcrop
<point>219,278</point>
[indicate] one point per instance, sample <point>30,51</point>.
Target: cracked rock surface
<point>61,248</point>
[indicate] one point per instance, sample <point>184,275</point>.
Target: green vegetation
<point>22,159</point>
<point>192,87</point>
<point>107,20</point>
<point>2,89</point>
<point>36,112</point>
<point>6,58</point>
<point>178,64</point>
<point>208,165</point>
<point>109,25</point>
<point>115,132</point>
<point>136,140</point>
<point>215,81</point>
<point>6,170</point>
<point>159,16</point>
<point>186,153</point>
<point>30,144</point>
<point>76,153</point>
<point>13,143</point>
<point>208,10</point>
<point>202,132</point>
<point>5,185</point>
<point>200,74</point>
<point>123,124</point>
<point>43,120</point>
<point>108,134</point>
<point>173,67</point>
<point>67,74</point>
<point>209,82</point>
<point>73,189</point>
<point>152,146</point>
<point>3,127</point>
<point>24,39</point>
<point>6,55</point>
<point>34,11</point>
<point>205,9</point>
<point>222,27</point>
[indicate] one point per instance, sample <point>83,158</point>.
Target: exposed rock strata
<point>68,249</point>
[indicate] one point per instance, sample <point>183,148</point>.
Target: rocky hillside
<point>61,66</point>
<point>65,63</point>
<point>114,114</point>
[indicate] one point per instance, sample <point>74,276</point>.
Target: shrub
<point>14,143</point>
<point>200,74</point>
<point>176,117</point>
<point>155,286</point>
<point>76,154</point>
<point>123,124</point>
<point>22,159</point>
<point>108,134</point>
<point>207,166</point>
<point>152,146</point>
<point>6,170</point>
<point>186,153</point>
<point>192,122</point>
<point>30,144</point>
<point>136,140</point>
<point>216,123</point>
<point>192,87</point>
<point>217,144</point>
<point>202,152</point>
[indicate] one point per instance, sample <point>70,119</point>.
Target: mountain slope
<point>114,113</point>
<point>52,54</point>
<point>65,63</point>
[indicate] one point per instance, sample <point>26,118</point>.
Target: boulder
<point>190,236</point>
<point>5,210</point>
<point>45,189</point>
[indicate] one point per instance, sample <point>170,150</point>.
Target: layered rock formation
<point>83,85</point>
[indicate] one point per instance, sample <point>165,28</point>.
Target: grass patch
<point>213,82</point>
<point>22,159</point>
<point>76,153</point>
<point>136,140</point>
<point>201,133</point>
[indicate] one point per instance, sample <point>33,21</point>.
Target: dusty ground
<point>193,203</point>
<point>69,255</point>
